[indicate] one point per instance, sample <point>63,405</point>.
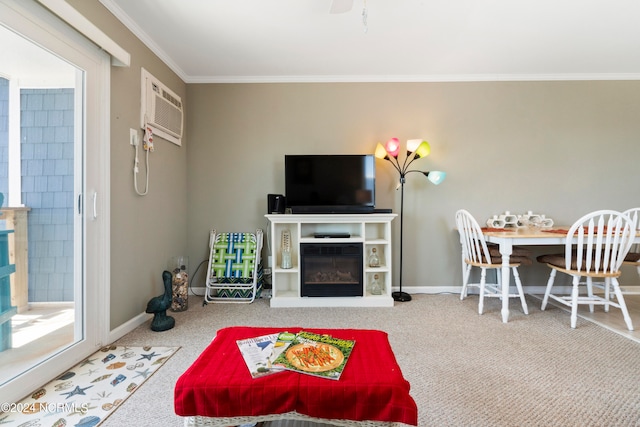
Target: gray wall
<point>146,231</point>
<point>557,148</point>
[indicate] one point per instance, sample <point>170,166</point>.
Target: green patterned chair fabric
<point>234,257</point>
<point>235,272</point>
<point>240,293</point>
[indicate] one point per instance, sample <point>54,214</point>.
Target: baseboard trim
<point>129,326</point>
<point>434,290</point>
<point>456,289</point>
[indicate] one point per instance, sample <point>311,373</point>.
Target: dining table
<point>507,238</point>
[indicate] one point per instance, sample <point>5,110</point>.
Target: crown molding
<point>442,78</point>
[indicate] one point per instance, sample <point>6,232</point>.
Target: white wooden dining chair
<point>475,253</point>
<point>633,257</point>
<point>595,248</point>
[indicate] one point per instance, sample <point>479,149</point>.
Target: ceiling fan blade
<point>340,6</point>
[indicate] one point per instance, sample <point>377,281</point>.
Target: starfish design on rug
<point>76,391</point>
<point>148,356</point>
<point>143,374</point>
<point>102,395</point>
<point>88,362</point>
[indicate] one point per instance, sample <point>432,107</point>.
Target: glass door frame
<point>92,193</point>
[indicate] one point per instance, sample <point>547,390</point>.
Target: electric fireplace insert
<point>331,269</point>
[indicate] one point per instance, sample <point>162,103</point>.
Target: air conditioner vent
<point>161,109</point>
<point>166,95</point>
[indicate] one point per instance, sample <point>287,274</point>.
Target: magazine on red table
<point>260,352</point>
<point>315,354</point>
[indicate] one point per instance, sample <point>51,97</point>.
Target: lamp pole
<point>401,296</point>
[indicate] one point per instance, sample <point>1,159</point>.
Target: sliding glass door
<point>53,179</point>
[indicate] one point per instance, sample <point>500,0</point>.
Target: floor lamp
<point>416,149</point>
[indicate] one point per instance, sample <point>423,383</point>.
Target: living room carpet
<point>465,369</point>
<point>87,394</point>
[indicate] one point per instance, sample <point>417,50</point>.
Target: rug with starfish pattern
<point>88,393</point>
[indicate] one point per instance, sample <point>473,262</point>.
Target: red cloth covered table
<point>218,383</point>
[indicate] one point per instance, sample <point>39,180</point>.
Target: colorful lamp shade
<point>412,144</point>
<point>381,153</point>
<point>436,177</point>
<point>423,150</point>
<point>393,147</point>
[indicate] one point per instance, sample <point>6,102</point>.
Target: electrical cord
<point>135,174</point>
<point>194,276</point>
<point>148,146</point>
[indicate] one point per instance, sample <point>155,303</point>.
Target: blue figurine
<point>159,305</point>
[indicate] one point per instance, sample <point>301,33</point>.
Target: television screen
<point>332,183</point>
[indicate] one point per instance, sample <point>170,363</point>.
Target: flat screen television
<point>330,183</point>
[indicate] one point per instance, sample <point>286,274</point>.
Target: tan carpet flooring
<point>464,369</point>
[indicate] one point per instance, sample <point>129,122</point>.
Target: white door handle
<point>95,205</point>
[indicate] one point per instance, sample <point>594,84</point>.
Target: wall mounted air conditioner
<point>161,109</point>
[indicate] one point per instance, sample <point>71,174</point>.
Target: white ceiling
<point>402,40</point>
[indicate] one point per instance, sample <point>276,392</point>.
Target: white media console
<point>369,230</point>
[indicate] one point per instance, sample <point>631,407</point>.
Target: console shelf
<point>372,230</point>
